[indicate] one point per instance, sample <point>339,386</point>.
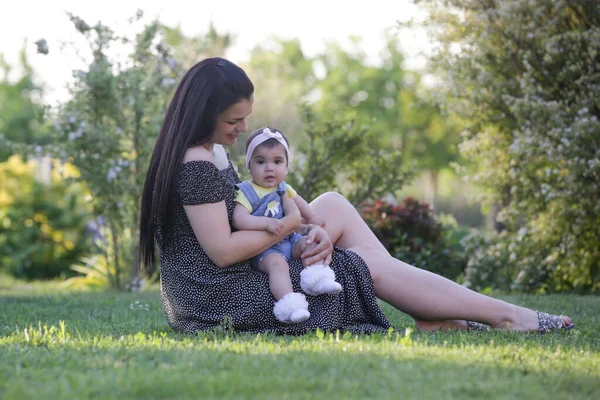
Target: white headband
<point>262,137</point>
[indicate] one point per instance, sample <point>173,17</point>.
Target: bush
<point>516,262</point>
<point>525,78</point>
<point>42,226</point>
<point>410,232</point>
<point>343,155</point>
<point>108,127</point>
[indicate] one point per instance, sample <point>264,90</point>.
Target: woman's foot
<point>291,308</point>
<point>448,325</point>
<point>523,319</point>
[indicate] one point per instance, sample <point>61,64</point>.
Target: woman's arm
<point>224,247</point>
<point>210,223</point>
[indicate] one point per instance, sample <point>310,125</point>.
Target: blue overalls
<point>259,207</point>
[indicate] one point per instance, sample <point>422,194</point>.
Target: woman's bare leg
<point>425,296</point>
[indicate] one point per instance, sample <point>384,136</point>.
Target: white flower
<point>168,81</point>
<point>75,135</point>
<point>272,208</point>
<point>112,173</point>
<point>42,46</point>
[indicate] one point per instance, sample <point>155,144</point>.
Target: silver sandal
<point>550,323</point>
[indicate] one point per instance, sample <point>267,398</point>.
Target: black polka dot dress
<point>198,295</point>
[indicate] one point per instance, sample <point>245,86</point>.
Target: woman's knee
<point>332,199</point>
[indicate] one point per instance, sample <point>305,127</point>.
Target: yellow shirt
<point>241,198</point>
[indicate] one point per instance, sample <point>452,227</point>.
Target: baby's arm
<point>307,212</point>
<point>243,220</point>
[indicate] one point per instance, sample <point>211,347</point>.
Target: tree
<point>283,77</point>
<point>393,102</point>
<point>344,155</point>
<point>190,50</point>
<point>21,114</point>
<point>107,131</point>
<point>525,77</point>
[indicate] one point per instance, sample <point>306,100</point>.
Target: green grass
<point>108,345</point>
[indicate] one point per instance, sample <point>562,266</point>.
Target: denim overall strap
<point>250,193</point>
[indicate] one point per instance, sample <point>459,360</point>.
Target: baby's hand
<point>274,226</point>
<point>317,220</point>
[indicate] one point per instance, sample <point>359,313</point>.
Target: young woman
<point>187,205</point>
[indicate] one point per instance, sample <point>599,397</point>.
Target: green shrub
<point>42,226</point>
<point>410,231</point>
<point>525,81</point>
<point>518,262</point>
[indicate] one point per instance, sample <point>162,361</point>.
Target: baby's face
<point>268,166</point>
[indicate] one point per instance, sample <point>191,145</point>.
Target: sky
<point>315,22</point>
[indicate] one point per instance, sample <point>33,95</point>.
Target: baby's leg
<point>277,268</point>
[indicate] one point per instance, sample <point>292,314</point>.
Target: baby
<point>259,208</point>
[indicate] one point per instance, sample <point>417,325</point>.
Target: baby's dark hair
<point>270,143</point>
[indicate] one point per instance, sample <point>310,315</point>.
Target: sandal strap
<point>548,322</point>
<point>476,326</point>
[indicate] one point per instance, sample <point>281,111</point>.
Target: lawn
<point>109,345</point>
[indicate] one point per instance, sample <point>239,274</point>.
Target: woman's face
<point>232,122</point>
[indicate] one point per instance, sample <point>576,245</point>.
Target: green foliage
<point>42,225</point>
<point>107,130</point>
<point>345,156</point>
<point>393,101</point>
<point>21,115</point>
<point>525,77</point>
<point>190,50</point>
<point>283,77</point>
<point>410,231</point>
<point>94,272</point>
<point>387,98</point>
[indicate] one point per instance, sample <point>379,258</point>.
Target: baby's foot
<point>299,315</point>
<point>319,279</point>
<point>327,286</point>
<point>291,308</point>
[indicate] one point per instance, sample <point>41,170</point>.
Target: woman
<point>187,205</point>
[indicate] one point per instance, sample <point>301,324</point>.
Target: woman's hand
<point>319,248</point>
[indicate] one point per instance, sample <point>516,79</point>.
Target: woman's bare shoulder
<point>198,153</point>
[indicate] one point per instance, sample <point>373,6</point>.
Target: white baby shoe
<point>319,279</point>
<point>291,308</point>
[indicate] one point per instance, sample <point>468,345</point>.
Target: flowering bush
<point>410,232</point>
<point>42,225</point>
<point>525,77</point>
<point>108,127</point>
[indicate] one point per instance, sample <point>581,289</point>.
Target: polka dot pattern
<point>198,295</point>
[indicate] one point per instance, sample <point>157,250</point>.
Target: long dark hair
<point>207,89</point>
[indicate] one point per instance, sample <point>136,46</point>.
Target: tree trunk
<point>431,187</point>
